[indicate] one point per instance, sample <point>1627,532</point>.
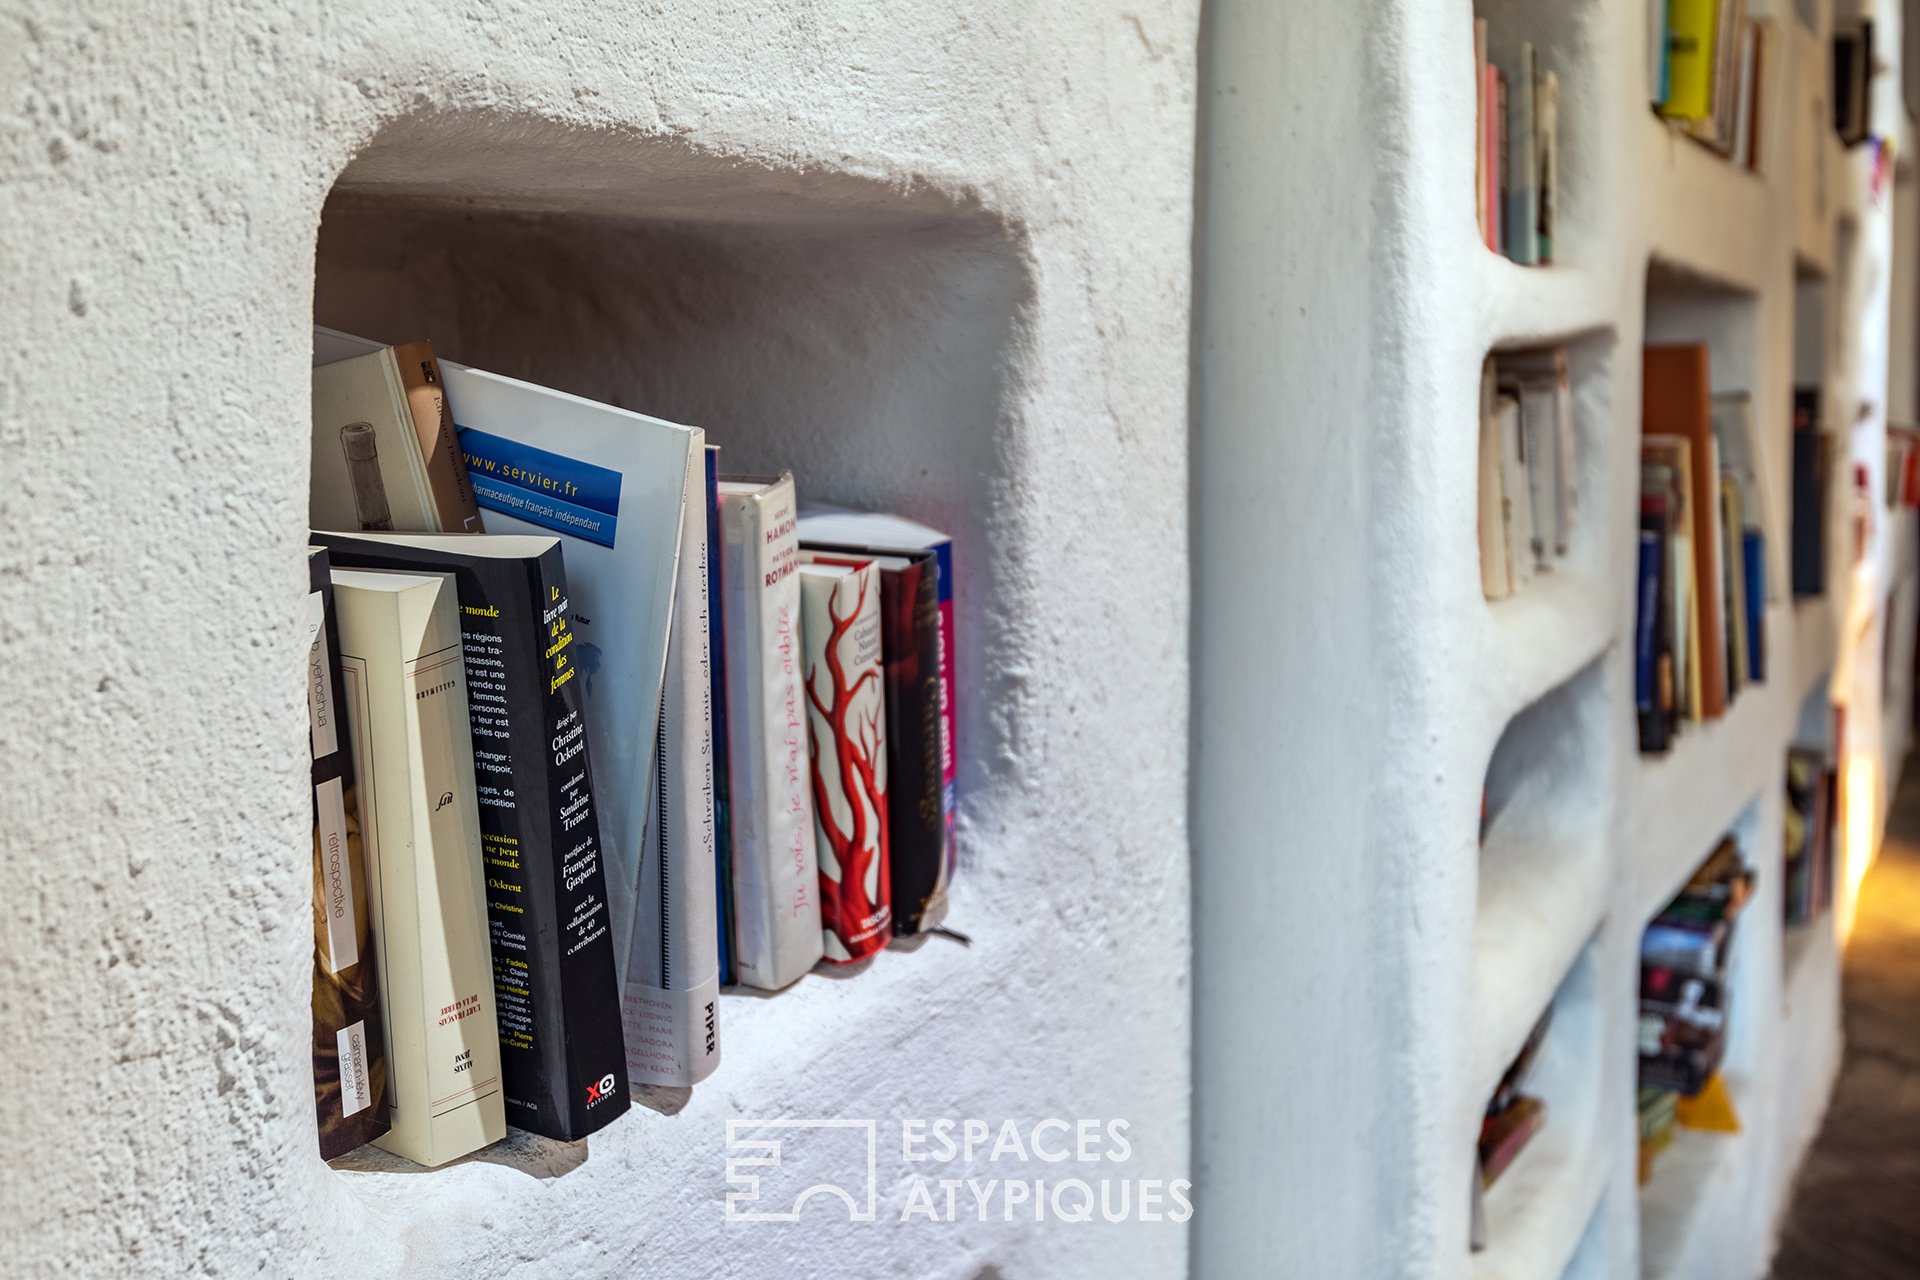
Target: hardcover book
<point>384,449</point>
<point>829,527</point>
<point>726,943</point>
<point>776,872</point>
<point>910,658</point>
<point>1677,399</point>
<point>840,632</point>
<point>563,1065</point>
<point>405,691</point>
<point>349,1053</point>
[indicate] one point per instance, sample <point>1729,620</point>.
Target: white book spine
<point>670,1005</point>
<point>1542,448</point>
<point>406,695</point>
<point>1519,495</point>
<point>776,873</point>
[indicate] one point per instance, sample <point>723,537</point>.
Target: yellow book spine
<point>1690,51</point>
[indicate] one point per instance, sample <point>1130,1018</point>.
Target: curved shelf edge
<point>1537,640</point>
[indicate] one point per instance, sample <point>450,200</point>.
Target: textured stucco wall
<point>934,255</point>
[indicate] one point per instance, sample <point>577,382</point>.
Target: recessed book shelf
<point>853,334</point>
<point>1543,879</point>
<point>1540,1205</point>
<point>1536,136</point>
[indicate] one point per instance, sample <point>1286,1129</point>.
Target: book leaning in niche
<point>349,1051</point>
<point>405,690</point>
<point>840,628</point>
<point>562,1062</point>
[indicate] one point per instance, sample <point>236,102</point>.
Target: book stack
<point>1516,159</point>
<point>1702,573</point>
<point>1710,63</point>
<point>1529,477</point>
<point>1809,835</point>
<point>638,731</point>
<point>1684,988</point>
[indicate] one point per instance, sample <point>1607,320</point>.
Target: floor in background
<point>1856,1206</point>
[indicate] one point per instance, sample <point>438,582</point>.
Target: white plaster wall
<point>933,255</point>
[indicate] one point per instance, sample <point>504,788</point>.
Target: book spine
<point>670,1004</point>
<point>1547,170</point>
<point>453,507</point>
<point>349,1045</point>
<point>583,1081</point>
<point>1480,126</point>
<point>1492,526</point>
<point>776,872</point>
<point>916,835</point>
<point>1523,213</point>
<point>1753,549</point>
<point>405,690</point>
<point>840,628</point>
<point>949,712</point>
<point>722,772</point>
<point>1503,171</point>
<point>1490,144</point>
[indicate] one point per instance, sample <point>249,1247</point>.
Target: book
<point>1737,438</point>
<point>618,489</point>
<point>1652,711</point>
<point>1690,59</point>
<point>349,1053</point>
<point>1812,457</point>
<point>1676,399</point>
<point>563,1067</point>
<point>1733,575</point>
<point>1491,107</point>
<point>724,941</point>
<point>1657,62</point>
<point>384,450</point>
<point>825,526</point>
<point>670,997</point>
<point>1753,557</point>
<point>1743,109</point>
<point>1546,141</point>
<point>1480,127</point>
<point>1730,19</point>
<point>776,871</point>
<point>910,661</point>
<point>1521,541</point>
<point>1503,159</point>
<point>1522,209</point>
<point>405,690</point>
<point>846,714</point>
<point>1503,1136</point>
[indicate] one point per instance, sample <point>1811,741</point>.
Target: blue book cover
<point>1649,596</point>
<point>1753,548</point>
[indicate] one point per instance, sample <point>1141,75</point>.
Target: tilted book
<point>405,690</point>
<point>824,525</point>
<point>385,454</point>
<point>349,1049</point>
<point>562,1061</point>
<point>670,993</point>
<point>910,661</point>
<point>846,711</point>
<point>717,720</point>
<point>611,484</point>
<point>776,873</point>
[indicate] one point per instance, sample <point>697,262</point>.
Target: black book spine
<point>562,1053</point>
<point>916,827</point>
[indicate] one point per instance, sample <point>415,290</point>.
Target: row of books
<point>1903,467</point>
<point>1528,468</point>
<point>1703,581</point>
<point>1710,63</point>
<point>597,731</point>
<point>1684,1003</point>
<point>1516,160</point>
<point>1808,839</point>
<point>1511,1120</point>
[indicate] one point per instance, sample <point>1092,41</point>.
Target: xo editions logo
<point>799,1150</point>
<point>600,1090</point>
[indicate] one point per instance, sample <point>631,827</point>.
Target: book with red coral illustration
<point>846,712</point>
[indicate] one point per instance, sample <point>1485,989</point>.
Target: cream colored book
<point>386,456</point>
<point>403,679</point>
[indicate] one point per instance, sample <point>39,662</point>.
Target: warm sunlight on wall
<point>1862,823</point>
